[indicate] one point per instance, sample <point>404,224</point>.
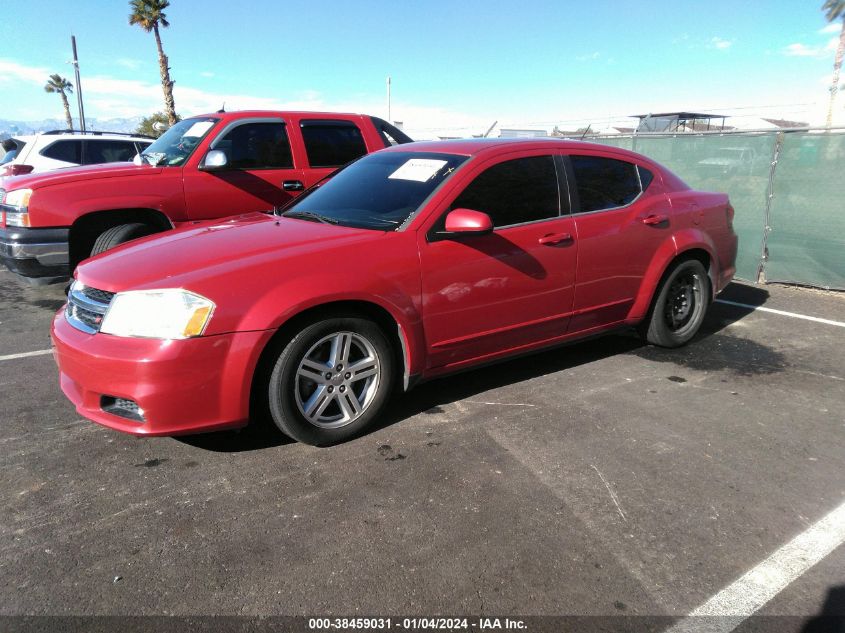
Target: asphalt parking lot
<point>606,478</point>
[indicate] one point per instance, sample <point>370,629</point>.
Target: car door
<point>259,175</point>
<point>486,294</point>
<point>618,229</point>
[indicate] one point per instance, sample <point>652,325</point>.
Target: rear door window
<point>514,192</point>
<point>69,151</point>
<point>604,183</point>
<point>105,151</point>
<point>332,143</point>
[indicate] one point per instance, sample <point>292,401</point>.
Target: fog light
<point>122,407</point>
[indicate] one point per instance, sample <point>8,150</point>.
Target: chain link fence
<point>788,189</point>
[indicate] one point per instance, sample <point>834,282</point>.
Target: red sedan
<point>410,263</point>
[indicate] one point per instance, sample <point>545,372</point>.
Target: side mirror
<point>467,222</point>
<point>215,159</point>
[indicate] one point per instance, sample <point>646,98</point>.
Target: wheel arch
<point>381,316</point>
<point>663,260</point>
<point>86,228</point>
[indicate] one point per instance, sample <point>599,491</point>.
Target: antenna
<point>489,129</point>
<point>222,108</point>
<point>388,99</point>
<point>585,131</point>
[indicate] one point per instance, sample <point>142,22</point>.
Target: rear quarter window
<point>605,183</point>
<point>332,143</point>
<point>68,151</point>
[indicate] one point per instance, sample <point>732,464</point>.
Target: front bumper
<point>38,255</point>
<point>184,386</point>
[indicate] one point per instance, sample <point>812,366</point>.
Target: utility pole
<point>388,100</point>
<point>75,63</point>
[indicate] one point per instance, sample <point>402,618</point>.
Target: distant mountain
<point>14,128</point>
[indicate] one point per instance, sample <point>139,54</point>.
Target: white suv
<point>52,150</point>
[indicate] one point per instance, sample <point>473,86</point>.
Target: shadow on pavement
<point>831,619</point>
<point>428,397</point>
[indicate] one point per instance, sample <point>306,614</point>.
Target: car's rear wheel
<point>331,380</point>
<point>117,235</point>
<point>680,305</point>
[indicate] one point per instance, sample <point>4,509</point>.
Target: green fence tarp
<point>736,164</point>
<point>807,240</point>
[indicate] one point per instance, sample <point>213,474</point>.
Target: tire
<point>117,235</point>
<point>316,401</point>
<point>680,305</point>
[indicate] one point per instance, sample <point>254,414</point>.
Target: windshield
<point>178,143</point>
<point>379,191</point>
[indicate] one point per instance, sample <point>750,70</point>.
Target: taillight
<point>729,214</point>
<point>16,170</point>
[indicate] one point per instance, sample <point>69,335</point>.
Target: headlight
<point>165,314</point>
<point>18,198</point>
<point>15,205</point>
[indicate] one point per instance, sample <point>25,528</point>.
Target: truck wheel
<point>117,235</point>
<point>680,305</point>
<point>331,380</point>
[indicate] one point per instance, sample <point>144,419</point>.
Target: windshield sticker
<point>419,169</point>
<point>199,128</point>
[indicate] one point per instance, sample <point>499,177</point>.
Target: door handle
<point>555,238</point>
<point>654,220</point>
<point>293,185</point>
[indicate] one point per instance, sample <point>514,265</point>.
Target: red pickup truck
<point>205,167</point>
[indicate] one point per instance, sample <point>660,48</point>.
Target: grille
<point>86,307</point>
<point>101,296</point>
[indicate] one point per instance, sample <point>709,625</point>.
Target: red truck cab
<point>202,168</point>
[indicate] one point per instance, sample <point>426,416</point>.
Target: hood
<point>71,174</point>
<point>199,256</point>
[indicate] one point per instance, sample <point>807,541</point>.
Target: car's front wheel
<point>120,234</point>
<point>680,305</point>
<point>331,380</point>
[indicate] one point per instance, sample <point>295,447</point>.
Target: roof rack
<point>98,133</point>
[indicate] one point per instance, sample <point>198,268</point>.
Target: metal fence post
<point>767,226</point>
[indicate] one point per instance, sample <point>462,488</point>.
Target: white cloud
<point>801,50</point>
<point>131,64</point>
<point>107,97</point>
<point>720,44</point>
<point>12,71</point>
<point>833,27</point>
<point>804,50</point>
<point>590,57</point>
<point>207,74</point>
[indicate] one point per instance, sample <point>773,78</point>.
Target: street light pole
<point>75,63</point>
<point>388,100</point>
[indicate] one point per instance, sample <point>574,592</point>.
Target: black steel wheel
<point>680,305</point>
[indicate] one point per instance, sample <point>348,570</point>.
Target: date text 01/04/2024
<point>440,624</point>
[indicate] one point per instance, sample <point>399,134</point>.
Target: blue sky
<point>453,64</point>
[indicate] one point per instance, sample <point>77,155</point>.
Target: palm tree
<point>149,15</point>
<point>835,10</point>
<point>57,83</point>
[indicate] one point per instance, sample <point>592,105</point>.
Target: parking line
<point>40,352</point>
<point>755,588</point>
<point>781,312</point>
